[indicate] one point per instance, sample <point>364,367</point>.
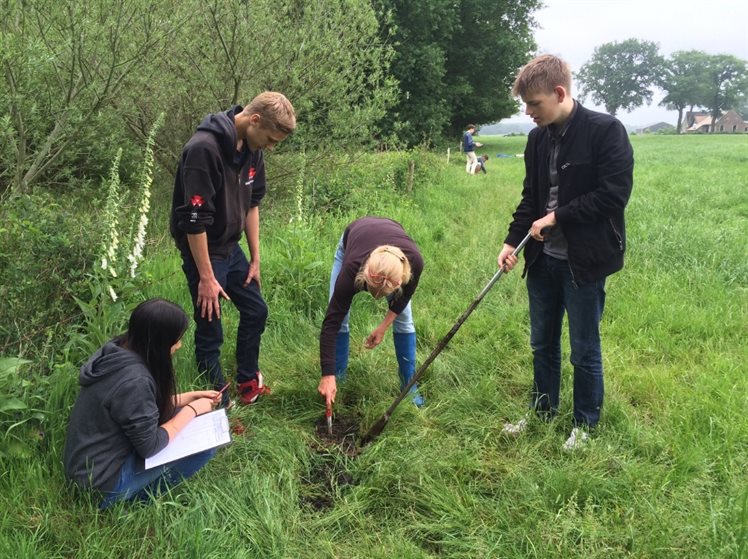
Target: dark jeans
<point>551,292</point>
<point>230,273</point>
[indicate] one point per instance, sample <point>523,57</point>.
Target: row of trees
<point>82,79</point>
<point>624,75</point>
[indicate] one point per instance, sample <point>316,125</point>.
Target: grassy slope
<point>665,476</point>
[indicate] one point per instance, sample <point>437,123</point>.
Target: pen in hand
<point>217,397</point>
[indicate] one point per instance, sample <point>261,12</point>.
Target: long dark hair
<point>155,326</point>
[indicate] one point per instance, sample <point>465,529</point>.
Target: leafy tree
<point>493,41</point>
<point>742,107</point>
<point>63,65</point>
<point>683,79</point>
<point>455,62</point>
<point>80,80</point>
<point>621,75</point>
<point>325,56</point>
<point>418,30</point>
<point>726,84</point>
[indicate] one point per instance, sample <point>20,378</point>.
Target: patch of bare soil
<point>328,475</point>
<point>344,434</point>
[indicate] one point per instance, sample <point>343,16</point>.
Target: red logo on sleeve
<point>252,172</point>
<point>197,201</point>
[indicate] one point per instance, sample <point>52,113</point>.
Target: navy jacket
<point>595,166</point>
<point>467,142</point>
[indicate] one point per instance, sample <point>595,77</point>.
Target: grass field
<point>666,475</point>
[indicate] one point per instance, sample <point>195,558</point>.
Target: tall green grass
<point>664,477</point>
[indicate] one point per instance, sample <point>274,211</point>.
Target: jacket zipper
<point>617,234</point>
<point>571,271</point>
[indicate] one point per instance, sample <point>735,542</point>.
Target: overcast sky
<point>572,29</point>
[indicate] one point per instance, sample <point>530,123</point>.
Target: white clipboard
<point>209,430</point>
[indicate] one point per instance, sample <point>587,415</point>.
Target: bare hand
<point>374,339</point>
<point>212,394</point>
<point>328,388</point>
<point>546,222</point>
<point>208,292</point>
<point>253,274</point>
<point>203,405</point>
<point>506,259</point>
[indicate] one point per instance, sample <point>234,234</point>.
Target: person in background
<point>481,164</point>
<point>128,410</point>
<point>578,178</point>
<point>468,146</point>
<point>219,184</point>
<point>375,255</point>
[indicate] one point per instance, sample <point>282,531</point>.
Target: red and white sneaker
<point>251,390</point>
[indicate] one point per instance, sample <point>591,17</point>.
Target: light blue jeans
<point>403,323</point>
<point>136,483</point>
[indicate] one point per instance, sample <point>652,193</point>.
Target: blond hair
<point>541,75</point>
<point>275,110</point>
<point>389,262</point>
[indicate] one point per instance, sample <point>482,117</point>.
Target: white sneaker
<point>579,438</point>
<point>514,430</point>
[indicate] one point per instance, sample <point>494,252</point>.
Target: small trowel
<point>328,417</point>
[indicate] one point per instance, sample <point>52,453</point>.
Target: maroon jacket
<point>359,239</point>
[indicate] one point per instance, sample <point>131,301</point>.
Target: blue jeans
<point>137,483</point>
<point>403,324</point>
<point>230,273</point>
<point>552,291</point>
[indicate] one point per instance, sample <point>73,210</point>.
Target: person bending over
<point>375,255</point>
<point>481,164</point>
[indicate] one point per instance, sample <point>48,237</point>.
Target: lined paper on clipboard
<point>209,430</point>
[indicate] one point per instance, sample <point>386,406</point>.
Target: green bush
<point>368,183</point>
<point>45,254</point>
<point>21,409</point>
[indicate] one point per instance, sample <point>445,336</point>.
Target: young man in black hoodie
<point>219,184</point>
<point>578,178</point>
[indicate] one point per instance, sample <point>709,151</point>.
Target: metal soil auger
<point>379,426</point>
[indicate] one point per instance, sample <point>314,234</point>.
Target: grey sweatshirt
<point>115,415</point>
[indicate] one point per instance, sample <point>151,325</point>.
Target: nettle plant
<point>115,279</point>
<point>21,409</point>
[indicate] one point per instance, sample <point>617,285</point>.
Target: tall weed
<point>114,283</point>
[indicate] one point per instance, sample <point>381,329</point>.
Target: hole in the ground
<point>344,434</point>
<point>328,473</point>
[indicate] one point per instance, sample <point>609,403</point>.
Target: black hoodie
<point>114,415</point>
<point>215,186</point>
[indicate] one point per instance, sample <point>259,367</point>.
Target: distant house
<point>658,127</point>
<point>700,122</point>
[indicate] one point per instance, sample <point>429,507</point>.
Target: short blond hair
<point>275,110</point>
<point>387,261</point>
<point>541,75</point>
